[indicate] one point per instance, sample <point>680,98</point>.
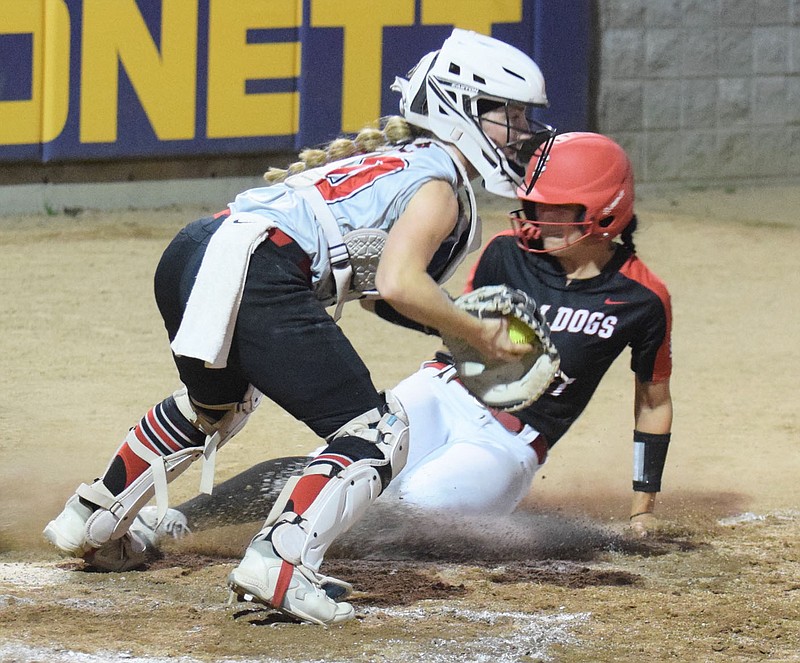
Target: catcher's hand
<point>513,385</point>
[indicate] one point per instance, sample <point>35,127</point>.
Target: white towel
<point>206,330</point>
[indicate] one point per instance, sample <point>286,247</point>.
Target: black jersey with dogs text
<point>591,322</point>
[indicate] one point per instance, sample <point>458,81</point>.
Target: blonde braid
<point>396,130</point>
<point>275,175</point>
<point>341,148</point>
<point>370,139</point>
<point>313,158</point>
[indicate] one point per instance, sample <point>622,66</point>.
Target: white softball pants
<point>461,458</point>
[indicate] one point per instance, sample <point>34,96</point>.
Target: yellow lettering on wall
<point>164,78</point>
<point>363,50</point>
<point>477,15</point>
<point>232,61</point>
<point>55,99</point>
<point>40,118</point>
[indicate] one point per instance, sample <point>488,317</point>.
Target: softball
<point>519,332</point>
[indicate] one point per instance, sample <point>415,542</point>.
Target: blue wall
<point>112,79</point>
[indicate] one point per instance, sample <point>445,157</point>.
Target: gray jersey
<point>364,191</point>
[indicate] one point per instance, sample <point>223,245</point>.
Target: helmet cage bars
<point>528,228</point>
<point>512,158</point>
<point>537,137</point>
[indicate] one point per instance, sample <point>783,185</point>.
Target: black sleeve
<point>647,354</point>
<point>384,310</point>
<point>487,270</point>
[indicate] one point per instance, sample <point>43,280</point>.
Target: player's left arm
<point>653,424</point>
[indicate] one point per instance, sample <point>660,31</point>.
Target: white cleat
<point>67,532</point>
<point>174,526</point>
<point>259,575</point>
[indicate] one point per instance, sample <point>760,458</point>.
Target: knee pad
<point>230,419</point>
<point>386,428</point>
<point>117,512</point>
<point>378,438</point>
<point>218,430</point>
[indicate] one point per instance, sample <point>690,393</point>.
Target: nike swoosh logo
<point>611,302</point>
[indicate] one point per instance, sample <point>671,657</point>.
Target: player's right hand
<point>494,343</point>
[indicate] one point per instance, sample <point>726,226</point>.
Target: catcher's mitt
<point>508,386</point>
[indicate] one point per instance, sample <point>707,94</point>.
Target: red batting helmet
<point>586,169</point>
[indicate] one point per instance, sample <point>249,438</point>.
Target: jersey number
<point>344,182</point>
<point>559,384</point>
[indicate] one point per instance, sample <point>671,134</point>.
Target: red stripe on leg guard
<point>284,578</point>
<point>306,491</point>
<point>334,459</point>
<point>139,433</point>
<point>165,437</point>
<point>134,465</point>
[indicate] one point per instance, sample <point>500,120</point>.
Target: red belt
<point>278,237</point>
<point>510,422</point>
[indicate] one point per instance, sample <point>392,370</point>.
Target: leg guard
<point>302,536</point>
<point>281,565</point>
<point>387,429</point>
<point>117,513</point>
<point>81,531</point>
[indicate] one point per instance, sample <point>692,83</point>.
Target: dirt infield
<point>85,355</point>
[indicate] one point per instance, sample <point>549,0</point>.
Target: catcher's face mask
<point>513,128</point>
<point>544,228</point>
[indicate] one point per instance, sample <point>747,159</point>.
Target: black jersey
<point>591,322</point>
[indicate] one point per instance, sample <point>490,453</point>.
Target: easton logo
<point>610,208</point>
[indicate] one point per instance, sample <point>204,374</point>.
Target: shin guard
<point>338,485</point>
<point>165,447</point>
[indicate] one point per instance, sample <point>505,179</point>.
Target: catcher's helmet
<point>586,169</point>
<point>449,89</point>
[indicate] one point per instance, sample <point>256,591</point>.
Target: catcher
<point>598,298</point>
<point>243,296</point>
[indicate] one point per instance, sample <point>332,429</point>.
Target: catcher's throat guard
<point>507,386</point>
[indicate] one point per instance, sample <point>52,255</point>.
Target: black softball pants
<point>284,342</point>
